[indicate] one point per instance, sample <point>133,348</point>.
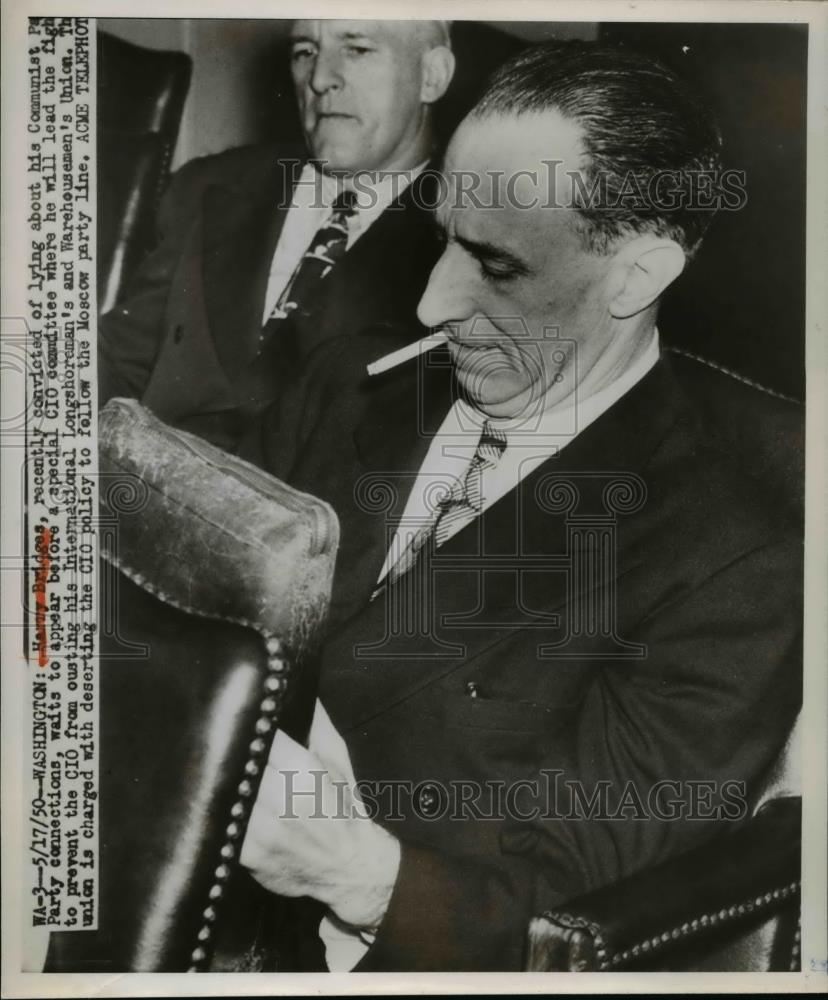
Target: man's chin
<point>336,157</point>
<point>501,402</point>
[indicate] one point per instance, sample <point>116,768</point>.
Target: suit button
<point>178,333</point>
<point>427,800</point>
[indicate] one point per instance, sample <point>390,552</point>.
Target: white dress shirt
<point>529,441</point>
<point>311,208</point>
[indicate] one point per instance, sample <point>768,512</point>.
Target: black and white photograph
<point>414,556</point>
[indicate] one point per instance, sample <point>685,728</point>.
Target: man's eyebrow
<point>352,35</point>
<point>347,36</point>
<point>484,250</point>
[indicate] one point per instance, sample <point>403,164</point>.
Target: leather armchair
<point>763,427</point>
<point>141,94</point>
<point>729,906</point>
<point>180,702</point>
<point>213,595</point>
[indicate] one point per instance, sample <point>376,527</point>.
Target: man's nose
<point>445,300</point>
<point>326,74</point>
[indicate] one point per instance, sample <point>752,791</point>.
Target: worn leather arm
<point>210,625</point>
<point>753,870</point>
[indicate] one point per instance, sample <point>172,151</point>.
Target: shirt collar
<point>374,190</point>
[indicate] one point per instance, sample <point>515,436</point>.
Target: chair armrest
<point>214,591</point>
<point>737,877</point>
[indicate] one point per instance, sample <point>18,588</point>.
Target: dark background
<point>742,301</point>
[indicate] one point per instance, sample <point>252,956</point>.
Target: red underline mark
<point>41,576</point>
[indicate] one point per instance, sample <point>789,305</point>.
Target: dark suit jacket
<point>186,337</point>
<point>692,674</point>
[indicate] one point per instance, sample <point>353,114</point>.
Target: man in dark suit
<point>265,254</point>
<point>564,638</point>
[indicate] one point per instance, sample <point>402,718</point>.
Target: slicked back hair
<point>640,122</point>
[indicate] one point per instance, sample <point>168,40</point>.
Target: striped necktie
<point>326,248</point>
<point>460,506</point>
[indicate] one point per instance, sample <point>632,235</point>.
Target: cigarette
<point>406,353</point>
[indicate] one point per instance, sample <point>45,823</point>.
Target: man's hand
<point>309,836</point>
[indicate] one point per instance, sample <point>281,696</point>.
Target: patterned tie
<point>326,248</point>
<point>458,507</point>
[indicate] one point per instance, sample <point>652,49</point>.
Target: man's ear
<point>643,269</point>
<point>438,69</point>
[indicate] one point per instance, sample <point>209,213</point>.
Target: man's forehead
<point>345,29</point>
<point>510,144</point>
<point>507,180</point>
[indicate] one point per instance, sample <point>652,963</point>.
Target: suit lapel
<point>388,239</point>
<point>370,498</point>
<point>242,223</point>
<point>370,665</point>
<point>380,276</point>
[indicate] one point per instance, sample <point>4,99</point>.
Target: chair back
<point>141,94</point>
<point>763,428</point>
